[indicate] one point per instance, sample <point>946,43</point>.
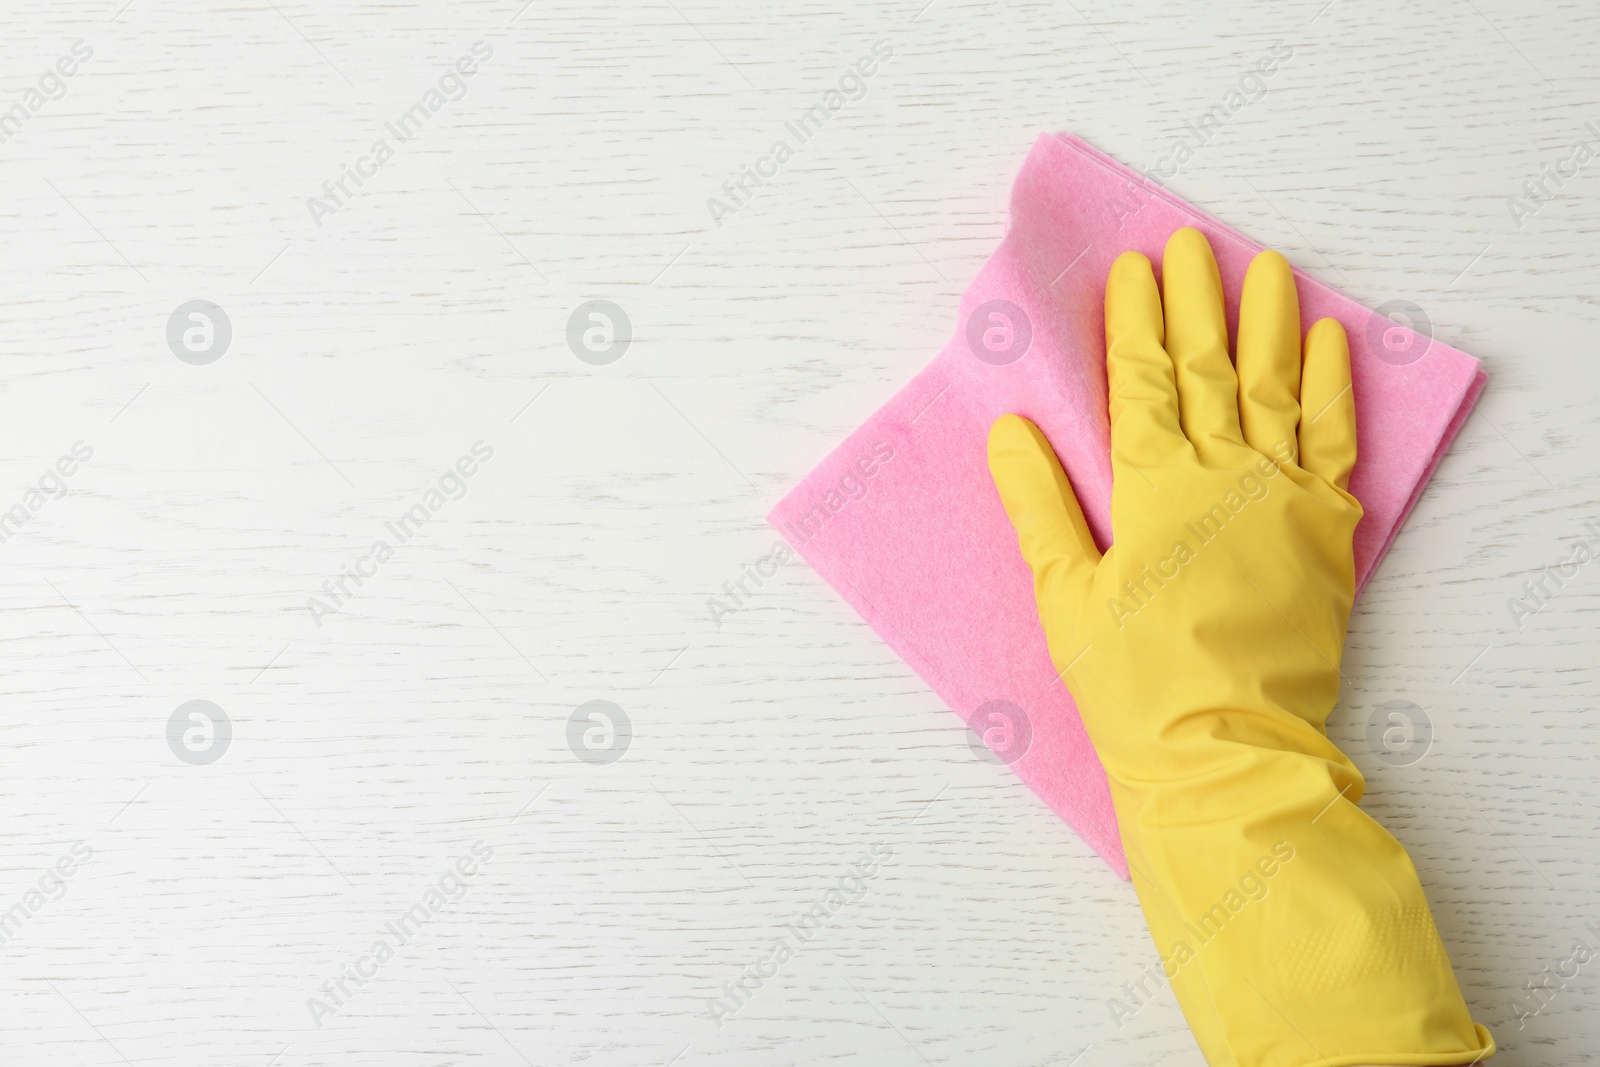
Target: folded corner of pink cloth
<point>903,520</point>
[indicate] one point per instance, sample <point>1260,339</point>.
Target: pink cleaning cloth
<point>903,520</point>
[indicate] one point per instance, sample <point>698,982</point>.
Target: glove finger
<point>1269,356</point>
<point>1143,393</point>
<point>1328,431</point>
<point>1197,341</point>
<point>1039,501</point>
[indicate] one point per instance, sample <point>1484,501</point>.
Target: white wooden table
<point>223,881</point>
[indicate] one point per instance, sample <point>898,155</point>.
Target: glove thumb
<point>1055,540</point>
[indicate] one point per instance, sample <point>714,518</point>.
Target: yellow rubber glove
<point>1203,652</point>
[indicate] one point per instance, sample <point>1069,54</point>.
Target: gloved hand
<point>1202,649</point>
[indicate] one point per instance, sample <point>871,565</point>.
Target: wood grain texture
<point>773,750</point>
